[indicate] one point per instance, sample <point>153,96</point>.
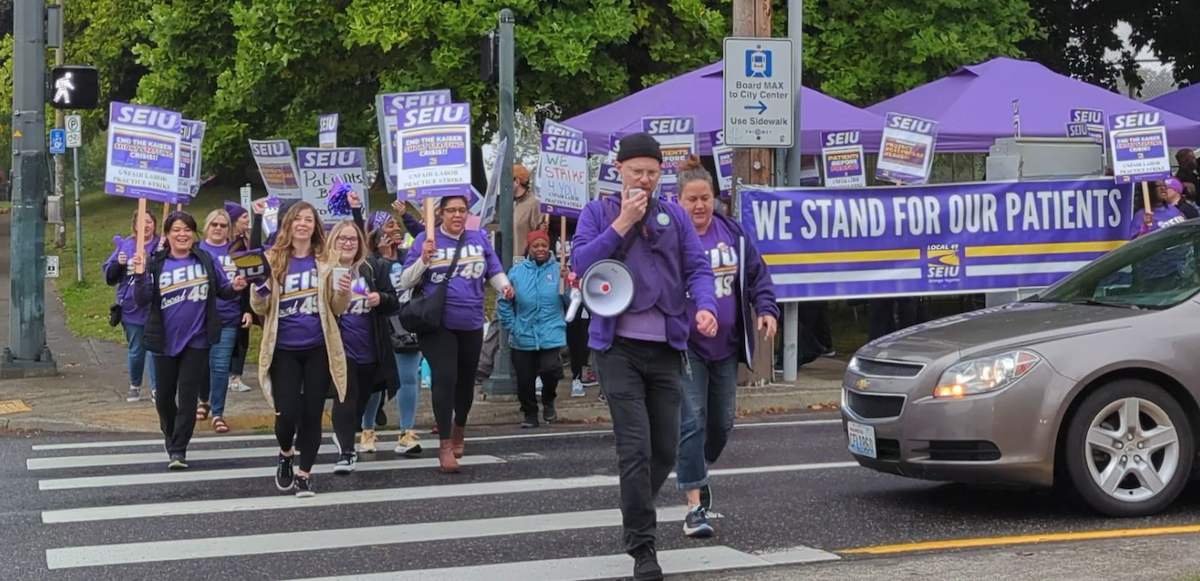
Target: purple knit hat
<point>235,210</point>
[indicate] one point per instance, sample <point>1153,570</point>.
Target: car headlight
<point>985,374</point>
<point>853,366</point>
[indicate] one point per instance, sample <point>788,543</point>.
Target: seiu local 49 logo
<point>943,262</point>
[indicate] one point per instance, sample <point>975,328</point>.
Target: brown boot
<point>457,434</point>
<point>446,457</point>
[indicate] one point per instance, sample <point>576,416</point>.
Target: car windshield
<point>1156,271</point>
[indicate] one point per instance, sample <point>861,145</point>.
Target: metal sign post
<point>74,141</point>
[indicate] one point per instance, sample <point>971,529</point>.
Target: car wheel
<point>1129,449</point>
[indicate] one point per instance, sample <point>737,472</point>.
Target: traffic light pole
<point>26,354</point>
<point>500,382</point>
<point>60,226</point>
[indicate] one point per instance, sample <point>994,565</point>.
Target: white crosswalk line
<point>237,473</point>
<point>211,440</point>
<point>98,460</point>
<point>213,507</point>
<point>222,547</point>
<point>678,562</point>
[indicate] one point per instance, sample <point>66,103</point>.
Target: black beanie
<point>639,145</point>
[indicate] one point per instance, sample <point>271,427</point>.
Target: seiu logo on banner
<point>910,124</point>
<point>1132,120</point>
<point>838,138</point>
<point>328,123</point>
<point>441,114</point>
<point>270,149</point>
<point>343,158</point>
<point>416,100</point>
<point>1087,116</point>
<point>670,126</point>
<point>568,145</point>
<point>149,117</point>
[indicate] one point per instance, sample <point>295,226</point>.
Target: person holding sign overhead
<point>181,287</point>
<point>301,352</point>
<point>641,354</point>
<point>459,260</point>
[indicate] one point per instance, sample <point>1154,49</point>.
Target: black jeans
<point>347,415</point>
<point>643,382</point>
<point>179,377</point>
<point>453,358</point>
<point>528,366</point>
<point>815,316</point>
<point>299,382</point>
<point>577,344</point>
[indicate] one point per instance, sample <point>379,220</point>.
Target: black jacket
<point>379,280</point>
<point>146,293</point>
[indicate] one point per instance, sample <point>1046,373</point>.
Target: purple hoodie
<point>116,274</point>
<point>672,261</point>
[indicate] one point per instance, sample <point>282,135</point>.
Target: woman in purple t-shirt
<point>301,352</point>
<point>133,318</point>
<point>181,287</point>
<point>453,350</point>
<point>218,244</point>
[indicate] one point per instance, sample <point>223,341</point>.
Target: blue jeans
<point>137,356</point>
<point>409,365</point>
<point>218,371</point>
<point>706,418</point>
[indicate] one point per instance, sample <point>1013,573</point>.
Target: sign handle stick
<point>141,234</point>
<point>429,235</point>
<point>562,255</point>
<point>1146,196</point>
<point>178,207</point>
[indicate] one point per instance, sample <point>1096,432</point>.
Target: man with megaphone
<point>641,347</point>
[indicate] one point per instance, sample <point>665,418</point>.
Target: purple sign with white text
<point>1139,145</point>
<point>387,107</point>
<point>143,153</point>
<point>433,148</point>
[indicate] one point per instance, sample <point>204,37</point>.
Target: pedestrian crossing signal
<point>74,87</point>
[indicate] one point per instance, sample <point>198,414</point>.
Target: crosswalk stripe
<point>210,440</point>
<point>94,461</point>
<point>210,507</point>
<point>677,562</point>
<point>187,549</point>
<point>232,474</point>
<point>118,512</point>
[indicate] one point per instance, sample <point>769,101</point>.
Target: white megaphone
<point>607,288</point>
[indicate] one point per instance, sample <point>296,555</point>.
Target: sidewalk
<point>89,393</point>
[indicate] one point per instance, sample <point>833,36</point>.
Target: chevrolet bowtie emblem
<point>863,384</point>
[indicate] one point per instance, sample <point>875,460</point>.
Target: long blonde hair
<point>213,215</point>
<point>279,254</point>
<point>333,254</point>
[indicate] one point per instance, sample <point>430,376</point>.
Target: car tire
<point>1088,463</point>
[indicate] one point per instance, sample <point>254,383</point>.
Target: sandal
<point>202,412</point>
<point>219,425</point>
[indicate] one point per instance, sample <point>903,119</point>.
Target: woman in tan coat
<point>297,364</point>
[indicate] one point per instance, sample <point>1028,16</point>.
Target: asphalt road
<point>101,507</point>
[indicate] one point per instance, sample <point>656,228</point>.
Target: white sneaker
<point>135,394</point>
<point>577,389</point>
<point>537,387</point>
<point>236,385</point>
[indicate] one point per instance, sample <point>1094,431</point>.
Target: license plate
<point>862,439</point>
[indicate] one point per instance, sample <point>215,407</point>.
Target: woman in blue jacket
<point>536,327</point>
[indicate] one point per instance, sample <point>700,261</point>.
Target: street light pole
<point>60,227</point>
<point>27,354</point>
<point>791,310</point>
<point>500,382</point>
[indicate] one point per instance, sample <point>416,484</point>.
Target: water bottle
<point>425,374</point>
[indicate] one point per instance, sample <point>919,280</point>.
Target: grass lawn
<point>5,207</point>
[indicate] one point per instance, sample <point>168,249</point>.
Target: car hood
<point>1012,325</point>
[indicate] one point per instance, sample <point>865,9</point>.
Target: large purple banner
<point>846,243</point>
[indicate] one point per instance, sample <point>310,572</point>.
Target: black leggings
<point>299,381</point>
<point>347,415</point>
<point>453,358</point>
<point>180,376</point>
<point>577,344</point>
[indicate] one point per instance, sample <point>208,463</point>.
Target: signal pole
<point>500,382</point>
<point>60,171</point>
<point>26,354</point>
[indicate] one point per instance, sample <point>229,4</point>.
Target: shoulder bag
<point>423,314</point>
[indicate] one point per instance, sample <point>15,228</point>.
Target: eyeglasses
<point>454,210</point>
<point>217,225</point>
<point>650,173</point>
<point>347,240</point>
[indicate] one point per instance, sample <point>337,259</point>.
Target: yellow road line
<point>1036,249</point>
<point>1021,540</point>
<point>842,257</point>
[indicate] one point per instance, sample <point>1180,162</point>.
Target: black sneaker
<point>601,397</point>
<point>549,413</point>
<point>531,421</point>
<point>645,564</point>
<point>178,462</point>
<point>304,487</point>
<point>345,463</point>
<point>285,476</point>
<point>706,498</point>
<point>695,524</point>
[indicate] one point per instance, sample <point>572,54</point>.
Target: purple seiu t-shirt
<point>230,310</point>
<point>131,313</point>
<point>1170,261</point>
<point>464,296</point>
<point>357,325</point>
<point>299,315</point>
<point>184,289</point>
<point>721,247</point>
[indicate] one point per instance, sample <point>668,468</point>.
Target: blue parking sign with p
<point>58,141</point>
<point>758,63</point>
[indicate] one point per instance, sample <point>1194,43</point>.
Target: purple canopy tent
<point>698,94</point>
<point>1184,102</point>
<point>973,105</point>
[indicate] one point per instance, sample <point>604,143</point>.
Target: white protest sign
<point>387,107</point>
<point>319,167</point>
<point>563,175</point>
<point>842,159</point>
<point>278,168</point>
<point>327,130</point>
<point>906,150</point>
<point>1139,145</point>
<point>190,142</point>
